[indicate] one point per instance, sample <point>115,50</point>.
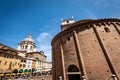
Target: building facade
<point>87,50</point>
<point>39,58</point>
<point>9,59</point>
<point>24,60</point>
<point>34,59</point>
<point>47,67</point>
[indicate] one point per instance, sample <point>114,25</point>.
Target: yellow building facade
<point>9,59</point>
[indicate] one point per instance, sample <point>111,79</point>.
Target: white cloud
<point>43,40</point>
<point>42,36</point>
<point>44,44</point>
<point>45,47</point>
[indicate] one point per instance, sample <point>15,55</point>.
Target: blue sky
<point>42,18</point>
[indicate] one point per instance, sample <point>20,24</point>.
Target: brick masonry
<point>92,46</point>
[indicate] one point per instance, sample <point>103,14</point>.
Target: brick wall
<point>98,44</point>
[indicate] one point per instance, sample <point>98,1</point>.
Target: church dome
<point>29,38</point>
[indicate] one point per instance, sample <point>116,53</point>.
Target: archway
<point>73,73</point>
<point>15,71</point>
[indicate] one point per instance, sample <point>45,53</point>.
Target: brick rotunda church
<point>87,50</point>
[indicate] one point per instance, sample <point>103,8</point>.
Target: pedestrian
<point>5,78</point>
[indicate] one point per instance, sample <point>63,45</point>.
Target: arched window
<point>73,68</point>
<point>26,47</point>
<point>23,46</point>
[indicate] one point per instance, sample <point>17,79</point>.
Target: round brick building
<point>87,50</point>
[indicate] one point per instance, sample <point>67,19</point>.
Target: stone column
<point>80,58</point>
<point>53,63</point>
<point>62,57</point>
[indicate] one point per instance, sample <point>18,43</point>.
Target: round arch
<point>73,73</point>
<point>73,68</point>
<point>15,71</point>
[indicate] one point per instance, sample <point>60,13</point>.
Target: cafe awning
<point>25,70</point>
<point>1,74</point>
<point>21,71</point>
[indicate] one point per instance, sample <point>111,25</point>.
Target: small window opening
<point>68,38</point>
<point>90,72</point>
<point>5,63</point>
<point>20,65</point>
<point>107,70</point>
<point>107,29</point>
<point>0,61</point>
<point>23,47</point>
<point>115,38</point>
<point>67,21</point>
<point>26,47</point>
